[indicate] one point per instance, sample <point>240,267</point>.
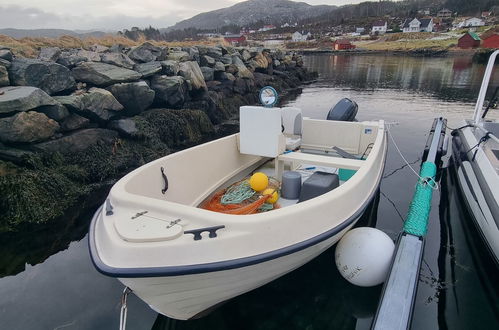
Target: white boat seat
<point>143,228</point>
<point>300,158</point>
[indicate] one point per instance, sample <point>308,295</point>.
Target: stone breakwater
<point>73,121</point>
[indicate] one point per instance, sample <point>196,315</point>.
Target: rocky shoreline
<point>73,121</point>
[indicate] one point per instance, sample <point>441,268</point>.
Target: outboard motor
<point>344,110</point>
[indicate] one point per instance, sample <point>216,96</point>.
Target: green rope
<point>419,210</point>
<point>237,194</point>
<point>266,207</point>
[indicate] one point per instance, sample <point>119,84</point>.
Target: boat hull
<point>479,199</point>
<point>186,296</point>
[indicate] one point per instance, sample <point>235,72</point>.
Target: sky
<point>109,15</point>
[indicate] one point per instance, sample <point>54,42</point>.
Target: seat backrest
<point>260,131</point>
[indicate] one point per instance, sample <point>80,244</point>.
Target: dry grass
<point>409,45</point>
<point>30,47</point>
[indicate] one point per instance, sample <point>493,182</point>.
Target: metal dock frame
<point>395,308</point>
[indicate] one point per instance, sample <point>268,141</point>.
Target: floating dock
<point>396,305</point>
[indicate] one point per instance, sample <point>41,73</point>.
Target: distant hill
<point>49,33</point>
<point>245,13</point>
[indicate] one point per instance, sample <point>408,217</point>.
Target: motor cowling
<point>344,110</point>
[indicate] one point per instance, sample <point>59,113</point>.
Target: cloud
<point>110,14</point>
<point>33,18</point>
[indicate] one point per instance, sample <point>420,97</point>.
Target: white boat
<point>476,154</point>
<point>182,259</point>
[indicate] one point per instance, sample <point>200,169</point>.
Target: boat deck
<point>304,163</point>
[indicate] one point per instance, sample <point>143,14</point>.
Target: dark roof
<point>379,23</point>
<point>407,21</point>
<point>343,41</point>
<point>425,22</point>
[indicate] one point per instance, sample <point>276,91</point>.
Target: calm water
<point>48,281</point>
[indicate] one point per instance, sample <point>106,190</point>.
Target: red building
<point>235,39</point>
<point>491,41</point>
<point>342,44</point>
<point>469,40</point>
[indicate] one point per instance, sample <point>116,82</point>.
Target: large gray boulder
<point>208,73</point>
<point>179,56</point>
<point>4,76</point>
<point>126,127</point>
<point>73,122</point>
<point>118,59</point>
<point>206,60</point>
<point>260,61</point>
<point>117,48</point>
<point>89,55</point>
<point>171,91</point>
<point>145,53</point>
<point>4,63</point>
<point>22,98</point>
<point>148,69</point>
<point>226,59</point>
<point>219,67</point>
<point>56,112</point>
<point>245,54</point>
<point>193,52</point>
<point>79,140</point>
<point>192,73</point>
<point>27,127</point>
<point>71,102</point>
<point>103,74</point>
<point>170,68</point>
<point>49,54</point>
<point>97,104</point>
<point>6,54</point>
<point>242,70</point>
<point>100,105</point>
<point>48,76</point>
<point>99,48</point>
<point>215,52</point>
<point>70,59</point>
<point>134,96</point>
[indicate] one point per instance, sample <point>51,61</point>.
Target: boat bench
<point>314,159</point>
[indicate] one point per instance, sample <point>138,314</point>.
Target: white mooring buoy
<point>363,256</point>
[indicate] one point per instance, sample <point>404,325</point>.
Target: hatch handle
<point>165,179</point>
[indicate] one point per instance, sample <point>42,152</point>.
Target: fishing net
<point>239,198</point>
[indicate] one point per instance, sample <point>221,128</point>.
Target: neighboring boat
<point>476,154</point>
<point>182,259</point>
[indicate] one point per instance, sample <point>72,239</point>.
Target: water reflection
<point>447,78</point>
<point>469,297</point>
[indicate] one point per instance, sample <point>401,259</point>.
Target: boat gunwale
<point>137,272</point>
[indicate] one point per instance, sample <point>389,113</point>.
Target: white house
<point>379,27</point>
<point>426,24</point>
<point>303,36</point>
<point>418,25</point>
<point>471,22</point>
